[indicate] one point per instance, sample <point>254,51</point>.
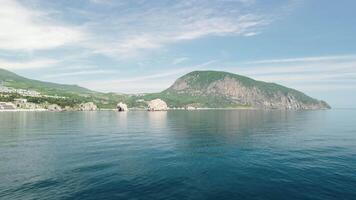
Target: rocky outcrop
<point>70,109</point>
<point>90,106</point>
<point>190,108</point>
<point>157,105</point>
<point>54,107</point>
<point>121,107</point>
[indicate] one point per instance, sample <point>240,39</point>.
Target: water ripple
<point>178,155</point>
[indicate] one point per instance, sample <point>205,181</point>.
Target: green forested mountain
<point>223,89</point>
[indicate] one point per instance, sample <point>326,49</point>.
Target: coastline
<point>131,109</point>
<point>25,110</point>
<point>143,109</point>
<point>135,109</point>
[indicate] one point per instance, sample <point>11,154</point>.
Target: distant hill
<point>75,94</point>
<point>221,89</point>
<point>11,79</point>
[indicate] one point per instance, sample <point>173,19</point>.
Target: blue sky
<point>131,46</point>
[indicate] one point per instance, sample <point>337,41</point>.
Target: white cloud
<point>80,73</point>
<point>138,26</point>
<point>100,1</point>
<point>25,29</point>
<point>304,59</point>
<point>304,73</point>
<point>179,60</point>
<point>143,26</point>
<point>28,64</point>
<point>250,34</point>
<point>298,68</point>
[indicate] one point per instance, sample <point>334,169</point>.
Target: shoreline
<point>141,109</point>
<point>133,109</point>
<point>25,110</point>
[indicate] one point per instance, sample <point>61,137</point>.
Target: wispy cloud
<point>304,59</point>
<point>179,60</point>
<point>144,25</point>
<point>326,72</point>
<point>23,28</point>
<point>128,28</point>
<point>100,1</point>
<point>79,73</point>
<point>27,64</point>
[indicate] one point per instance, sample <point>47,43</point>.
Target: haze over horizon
<point>143,46</point>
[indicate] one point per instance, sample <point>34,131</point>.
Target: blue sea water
<point>240,154</point>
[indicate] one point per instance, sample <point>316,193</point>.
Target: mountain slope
<point>11,79</point>
<point>222,89</point>
<point>74,94</point>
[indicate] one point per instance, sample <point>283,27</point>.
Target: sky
<point>136,46</point>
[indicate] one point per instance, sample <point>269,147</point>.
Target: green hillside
<point>74,94</point>
<point>13,80</point>
<point>202,79</point>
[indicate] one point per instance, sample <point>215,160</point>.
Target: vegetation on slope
<point>73,94</point>
<point>13,80</point>
<point>201,80</point>
<point>204,78</point>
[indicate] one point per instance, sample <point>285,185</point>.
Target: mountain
<point>221,89</point>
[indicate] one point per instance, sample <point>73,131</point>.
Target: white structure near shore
<point>90,106</point>
<point>121,107</point>
<point>157,105</point>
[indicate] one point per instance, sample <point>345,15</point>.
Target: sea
<point>198,155</point>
